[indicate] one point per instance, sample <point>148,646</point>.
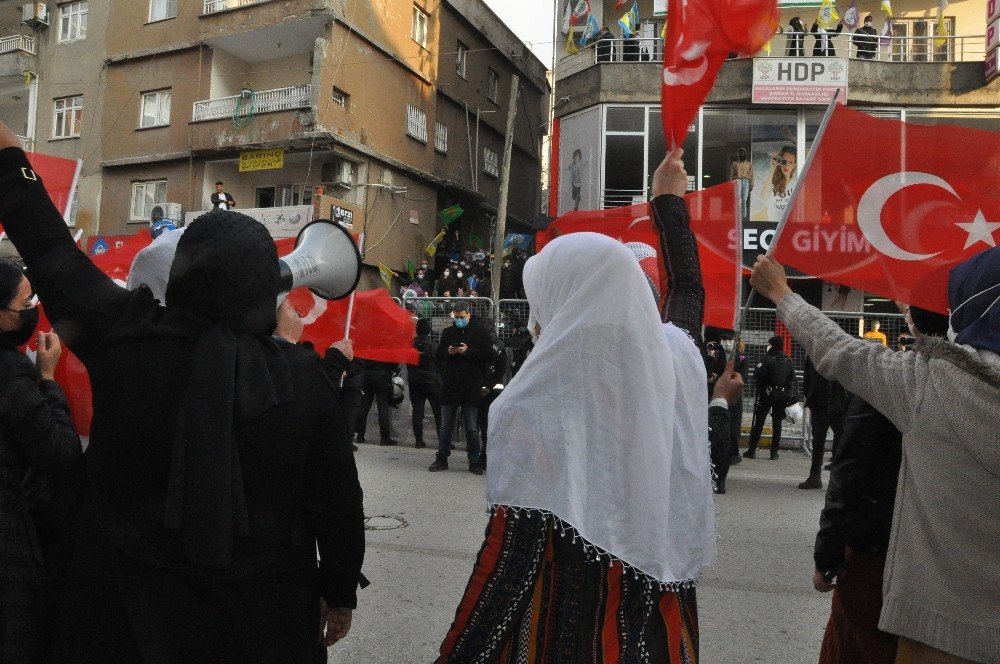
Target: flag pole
<point>350,305</point>
<point>795,194</point>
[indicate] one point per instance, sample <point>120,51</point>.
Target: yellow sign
<point>261,160</point>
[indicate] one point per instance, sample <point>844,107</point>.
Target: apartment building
<point>396,108</point>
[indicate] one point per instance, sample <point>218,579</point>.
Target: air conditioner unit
<point>35,14</point>
<point>339,173</point>
<point>173,212</point>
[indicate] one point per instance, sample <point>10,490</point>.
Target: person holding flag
<point>942,583</point>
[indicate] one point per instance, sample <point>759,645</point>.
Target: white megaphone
<point>326,261</point>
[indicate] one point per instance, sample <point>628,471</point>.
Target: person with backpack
<point>774,378</point>
<point>424,382</point>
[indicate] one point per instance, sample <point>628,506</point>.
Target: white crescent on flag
<point>875,198</point>
<point>693,68</point>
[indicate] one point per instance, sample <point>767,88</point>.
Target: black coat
<point>774,377</point>
<point>298,471</point>
<point>36,434</point>
<point>820,393</point>
<point>426,373</point>
<point>463,374</point>
<point>862,490</point>
<point>866,41</point>
<point>830,50</point>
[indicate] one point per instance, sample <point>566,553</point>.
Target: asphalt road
<point>756,604</point>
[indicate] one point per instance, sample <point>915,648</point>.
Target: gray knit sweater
<point>942,574</point>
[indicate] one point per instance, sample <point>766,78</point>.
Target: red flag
<point>72,377</point>
<point>889,207</point>
<point>714,219</point>
<point>114,254</point>
<point>580,11</point>
<point>59,177</point>
<point>620,3</point>
<point>700,34</point>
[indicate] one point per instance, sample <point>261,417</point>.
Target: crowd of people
<point>865,39</point>
<point>216,514</point>
<point>466,275</point>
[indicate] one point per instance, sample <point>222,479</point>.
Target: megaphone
<point>326,261</point>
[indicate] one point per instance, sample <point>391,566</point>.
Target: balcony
<point>213,6</point>
<point>27,144</point>
<point>265,101</point>
<point>888,49</point>
<point>16,43</point>
<point>907,71</point>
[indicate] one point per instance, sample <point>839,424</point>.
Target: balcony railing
<point>213,6</point>
<point>26,143</point>
<point>265,101</point>
<point>887,49</point>
<point>17,43</point>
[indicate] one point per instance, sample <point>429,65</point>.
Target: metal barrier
<point>511,315</point>
<point>438,310</point>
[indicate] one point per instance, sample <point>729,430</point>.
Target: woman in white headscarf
<point>599,480</point>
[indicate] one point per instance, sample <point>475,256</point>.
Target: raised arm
<point>80,300</point>
<point>684,305</point>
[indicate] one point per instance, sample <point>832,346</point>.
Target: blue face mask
<point>461,323</point>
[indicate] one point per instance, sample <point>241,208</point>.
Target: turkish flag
<point>890,207</point>
<point>715,216</point>
<point>381,329</point>
<point>114,254</point>
<point>700,35</point>
<point>59,176</point>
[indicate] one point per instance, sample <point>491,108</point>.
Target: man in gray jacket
<point>942,580</point>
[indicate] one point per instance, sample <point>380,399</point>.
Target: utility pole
<point>501,229</point>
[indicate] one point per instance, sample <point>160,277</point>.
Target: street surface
<point>756,604</point>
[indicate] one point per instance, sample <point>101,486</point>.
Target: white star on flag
<point>979,230</point>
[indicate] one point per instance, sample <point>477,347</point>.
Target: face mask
<point>29,321</point>
<point>459,275</point>
<point>727,345</point>
<point>952,335</point>
<point>447,273</point>
<point>461,323</point>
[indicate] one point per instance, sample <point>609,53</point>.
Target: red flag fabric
<point>889,207</point>
<point>59,176</point>
<point>700,35</point>
<point>715,221</point>
<point>114,254</point>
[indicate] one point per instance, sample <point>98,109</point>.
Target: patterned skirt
<point>536,595</point>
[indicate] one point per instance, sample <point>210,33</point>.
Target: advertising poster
<point>580,162</point>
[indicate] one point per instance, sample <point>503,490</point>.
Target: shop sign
<point>799,81</point>
<point>261,160</point>
<point>991,64</point>
<point>992,11</point>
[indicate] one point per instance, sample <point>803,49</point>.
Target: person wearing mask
<point>795,41</point>
<point>36,437</point>
<point>827,403</point>
<point>240,486</point>
<point>462,288</point>
<point>856,523</point>
<point>463,355</point>
<point>220,199</point>
<point>942,583</point>
<point>378,390</point>
<point>773,377</point>
<point>447,285</point>
<point>424,382</point>
<point>865,40</point>
<point>493,383</point>
<point>824,48</point>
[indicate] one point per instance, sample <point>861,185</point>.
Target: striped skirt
<point>536,596</point>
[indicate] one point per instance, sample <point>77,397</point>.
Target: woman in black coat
<point>36,434</point>
<point>218,466</point>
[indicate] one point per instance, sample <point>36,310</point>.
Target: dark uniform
<point>774,378</point>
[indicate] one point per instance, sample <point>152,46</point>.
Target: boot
<point>751,452</point>
<point>720,486</point>
<point>812,482</point>
<point>420,444</point>
<point>774,451</point>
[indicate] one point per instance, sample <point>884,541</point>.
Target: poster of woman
<point>775,167</point>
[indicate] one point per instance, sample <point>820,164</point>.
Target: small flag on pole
<point>851,19</point>
<point>449,215</point>
<point>828,16</point>
<point>590,31</point>
<point>433,246</point>
<point>886,7</point>
<point>941,32</point>
<point>386,275</point>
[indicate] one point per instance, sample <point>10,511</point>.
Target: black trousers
<point>419,394</point>
<point>351,398</point>
<point>378,388</point>
<point>484,419</point>
<point>736,425</point>
<point>821,422</point>
<point>761,409</point>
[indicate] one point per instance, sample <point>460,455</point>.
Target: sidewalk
<point>756,604</point>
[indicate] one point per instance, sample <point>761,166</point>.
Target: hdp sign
<point>799,80</point>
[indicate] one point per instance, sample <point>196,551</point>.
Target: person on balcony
<point>865,40</point>
<point>794,45</point>
<point>222,200</point>
<point>605,45</point>
<point>823,48</point>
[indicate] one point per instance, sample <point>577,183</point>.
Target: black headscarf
<point>224,286</point>
<point>10,280</point>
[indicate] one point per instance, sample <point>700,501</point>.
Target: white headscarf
<point>606,424</point>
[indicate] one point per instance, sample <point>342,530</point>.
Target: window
<point>144,196</point>
<point>491,163</point>
<point>419,29</point>
<point>160,10</point>
<point>462,56</point>
<point>441,137</point>
<point>913,40</point>
<point>73,21</point>
<point>155,109</point>
<point>68,117</point>
<point>492,85</point>
<point>340,98</point>
<point>416,123</point>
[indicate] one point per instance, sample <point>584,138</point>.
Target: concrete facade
<point>331,81</point>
